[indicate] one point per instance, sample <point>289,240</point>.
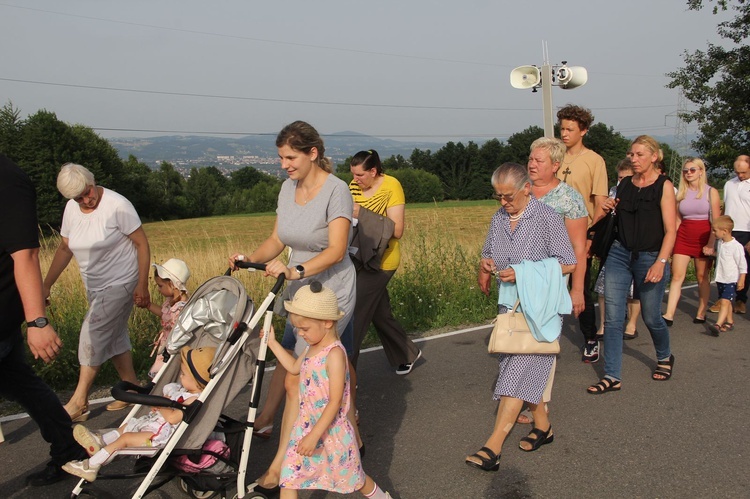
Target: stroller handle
<point>242,264</point>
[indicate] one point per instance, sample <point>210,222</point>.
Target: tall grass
<point>435,286</point>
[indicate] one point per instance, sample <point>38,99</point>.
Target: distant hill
<point>255,150</point>
<point>186,151</point>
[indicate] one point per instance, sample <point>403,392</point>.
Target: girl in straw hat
<point>322,452</point>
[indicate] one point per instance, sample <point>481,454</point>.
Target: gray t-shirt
<point>304,228</point>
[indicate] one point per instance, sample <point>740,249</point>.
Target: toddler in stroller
<point>152,429</point>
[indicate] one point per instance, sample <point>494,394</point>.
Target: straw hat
<point>315,302</point>
<point>174,270</point>
<point>199,361</point>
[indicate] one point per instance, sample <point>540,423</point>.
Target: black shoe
<point>668,322</point>
<point>51,473</point>
<point>268,492</point>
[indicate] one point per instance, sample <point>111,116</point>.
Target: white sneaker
<point>404,369</point>
<point>89,440</point>
<point>82,469</point>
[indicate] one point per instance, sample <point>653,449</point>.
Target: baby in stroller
<point>151,430</point>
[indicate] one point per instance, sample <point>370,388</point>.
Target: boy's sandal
<point>663,368</point>
<point>714,329</point>
<point>489,463</point>
<point>539,438</point>
<point>603,386</point>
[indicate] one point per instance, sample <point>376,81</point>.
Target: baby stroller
<point>221,315</point>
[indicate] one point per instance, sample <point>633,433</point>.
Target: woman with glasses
<point>523,229</point>
<point>646,213</point>
<point>697,202</point>
<point>102,230</point>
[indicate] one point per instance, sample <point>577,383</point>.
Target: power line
<point>298,101</point>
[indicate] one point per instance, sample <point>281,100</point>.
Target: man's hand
<point>43,343</point>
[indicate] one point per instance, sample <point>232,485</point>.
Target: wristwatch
<point>300,270</point>
<point>38,322</point>
<point>663,260</point>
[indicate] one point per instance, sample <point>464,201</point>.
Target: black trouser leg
<point>20,383</point>
<point>587,318</point>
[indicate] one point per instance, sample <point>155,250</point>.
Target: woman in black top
<point>646,222</point>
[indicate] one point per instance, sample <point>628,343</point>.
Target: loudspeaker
<point>525,77</point>
<point>572,77</point>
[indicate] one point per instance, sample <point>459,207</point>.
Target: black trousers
<point>19,382</point>
<point>743,238</point>
<point>587,318</point>
<point>374,305</point>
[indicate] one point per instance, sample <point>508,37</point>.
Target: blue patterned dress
<point>539,234</point>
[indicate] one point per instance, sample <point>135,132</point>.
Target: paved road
<point>682,438</point>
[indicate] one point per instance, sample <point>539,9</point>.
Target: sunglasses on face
<point>689,170</point>
<point>505,197</point>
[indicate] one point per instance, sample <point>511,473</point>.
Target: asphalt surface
<point>683,438</point>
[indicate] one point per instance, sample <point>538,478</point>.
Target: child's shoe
<point>82,469</point>
<point>89,440</point>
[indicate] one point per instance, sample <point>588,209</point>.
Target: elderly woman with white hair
<point>102,230</point>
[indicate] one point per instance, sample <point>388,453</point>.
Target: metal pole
<point>549,127</point>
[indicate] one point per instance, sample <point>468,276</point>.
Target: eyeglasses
<point>505,197</point>
<point>690,170</point>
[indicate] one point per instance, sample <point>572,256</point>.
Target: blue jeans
<point>622,269</point>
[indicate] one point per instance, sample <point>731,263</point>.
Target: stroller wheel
<point>197,494</point>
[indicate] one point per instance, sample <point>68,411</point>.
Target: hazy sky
<point>436,70</point>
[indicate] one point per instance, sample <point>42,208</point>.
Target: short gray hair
<point>73,180</point>
<point>555,147</point>
<point>510,173</point>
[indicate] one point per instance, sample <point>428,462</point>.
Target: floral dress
<point>169,314</point>
<point>335,465</point>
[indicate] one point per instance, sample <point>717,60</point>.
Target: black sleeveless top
<point>639,222</point>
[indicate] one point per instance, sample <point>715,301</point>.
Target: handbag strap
<point>518,302</point>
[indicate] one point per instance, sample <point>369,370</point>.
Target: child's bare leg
<point>601,314</point>
<point>130,439</point>
<point>724,311</point>
<point>288,494</point>
<point>730,313</point>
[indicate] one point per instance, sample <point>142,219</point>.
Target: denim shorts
<point>727,290</point>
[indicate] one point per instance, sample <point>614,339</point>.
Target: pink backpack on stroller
<point>211,449</point>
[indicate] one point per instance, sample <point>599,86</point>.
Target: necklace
<point>306,192</point>
<point>516,217</point>
<point>583,150</point>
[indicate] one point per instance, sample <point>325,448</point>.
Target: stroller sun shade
<point>215,311</point>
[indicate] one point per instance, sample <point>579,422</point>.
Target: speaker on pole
<point>525,77</point>
<point>569,77</point>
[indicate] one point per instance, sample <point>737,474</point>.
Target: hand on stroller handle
<point>243,264</point>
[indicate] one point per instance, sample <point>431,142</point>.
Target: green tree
<point>203,188</point>
<point>247,177</point>
<point>419,185</point>
<point>11,126</point>
<point>716,80</point>
<point>171,192</point>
